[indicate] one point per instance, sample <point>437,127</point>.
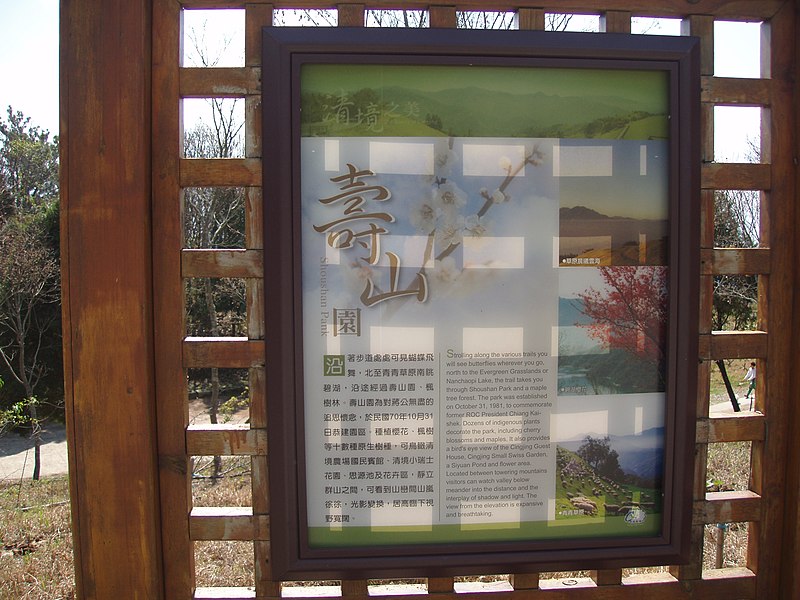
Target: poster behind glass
<point>484,302</point>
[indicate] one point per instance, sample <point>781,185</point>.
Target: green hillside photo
<point>462,101</point>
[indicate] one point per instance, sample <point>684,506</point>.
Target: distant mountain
<point>478,111</point>
<point>641,455</point>
<point>570,312</point>
<point>579,212</point>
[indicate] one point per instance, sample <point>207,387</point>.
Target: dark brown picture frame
<point>285,50</point>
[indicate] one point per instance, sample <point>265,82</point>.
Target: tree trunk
<point>208,292</point>
<point>36,433</point>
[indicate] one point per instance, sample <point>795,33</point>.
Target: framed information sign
<point>481,298</point>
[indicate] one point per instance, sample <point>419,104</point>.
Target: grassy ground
<point>35,540</point>
<point>36,543</point>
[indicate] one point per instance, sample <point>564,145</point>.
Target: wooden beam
<point>168,303</point>
<point>350,15</point>
<point>773,554</point>
<point>219,82</point>
<point>222,263</point>
<point>734,261</point>
<point>230,353</point>
<point>747,10</point>
<point>732,91</point>
<point>727,507</point>
<point>225,440</point>
<point>107,312</point>
<point>227,523</point>
<point>734,176</point>
<point>738,427</point>
<point>733,344</point>
<point>442,16</point>
<point>220,172</point>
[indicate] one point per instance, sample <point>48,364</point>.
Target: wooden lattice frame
<point>120,308</point>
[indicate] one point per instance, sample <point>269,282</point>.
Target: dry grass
<point>35,540</point>
<point>36,544</point>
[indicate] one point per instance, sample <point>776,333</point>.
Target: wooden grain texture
<point>227,523</point>
<point>738,427</point>
<point>168,304</point>
<point>615,21</point>
<point>607,577</point>
<point>350,15</point>
<point>531,18</point>
<point>225,353</point>
<point>524,581</point>
<point>442,16</point>
<point>772,532</point>
<point>734,261</point>
<point>723,584</point>
<point>701,24</point>
<point>727,507</point>
<point>225,440</point>
<point>222,263</point>
<point>732,9</point>
<point>256,16</point>
<point>732,91</point>
<point>734,176</point>
<point>219,82</point>
<point>733,344</point>
<point>105,213</point>
<point>775,461</point>
<point>220,172</point>
<point>438,585</point>
<point>790,556</point>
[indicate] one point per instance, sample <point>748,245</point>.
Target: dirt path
<point>16,454</point>
<point>16,451</point>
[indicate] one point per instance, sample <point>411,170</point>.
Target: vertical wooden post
<point>107,310</point>
<point>774,532</point>
<point>790,558</point>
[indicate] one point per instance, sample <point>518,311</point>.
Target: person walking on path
<point>751,377</point>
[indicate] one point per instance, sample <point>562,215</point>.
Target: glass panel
<point>438,407</point>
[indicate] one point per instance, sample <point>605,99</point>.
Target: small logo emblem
<point>635,516</point>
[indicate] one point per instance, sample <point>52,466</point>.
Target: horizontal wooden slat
<point>219,82</point>
<point>227,523</point>
<point>232,353</point>
<point>734,261</point>
<point>224,593</point>
<point>225,440</point>
<point>222,263</point>
<point>729,90</point>
<point>747,10</point>
<point>736,176</point>
<point>719,584</point>
<point>220,172</point>
<point>733,344</point>
<point>727,507</point>
<point>738,427</point>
